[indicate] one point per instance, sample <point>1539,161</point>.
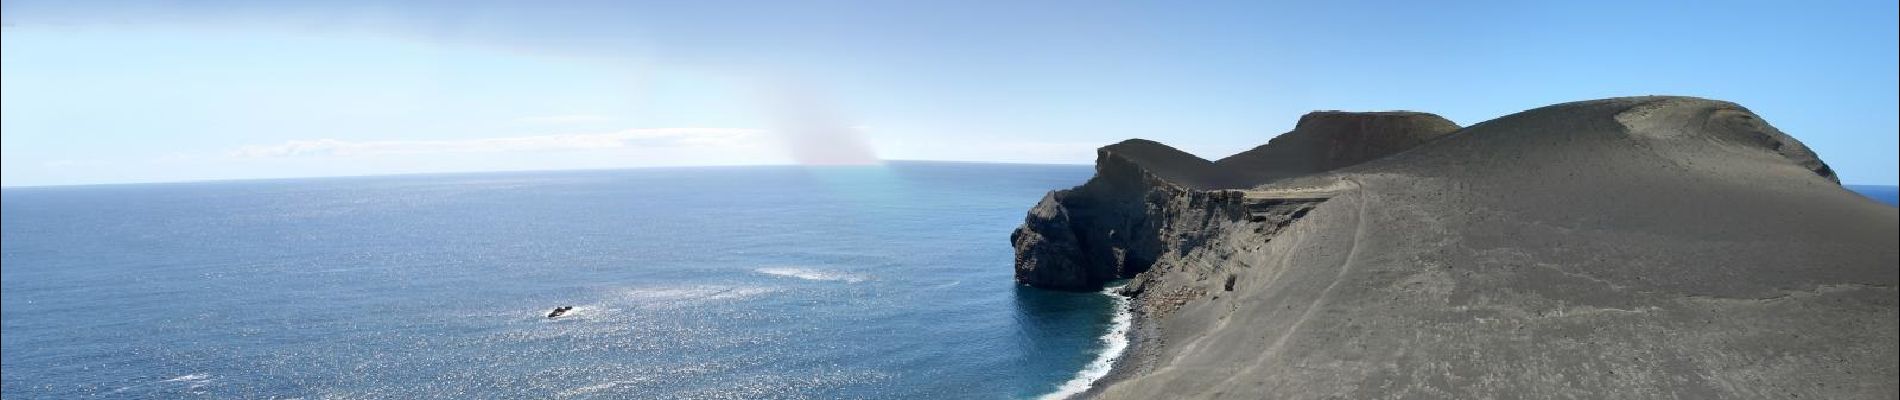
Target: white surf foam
<point>194,380</point>
<point>1114,343</point>
<point>593,388</point>
<point>685,294</point>
<point>189,378</point>
<point>812,274</point>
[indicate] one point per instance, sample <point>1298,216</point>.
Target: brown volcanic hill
<point>1647,247</point>
<point>1328,140</point>
<point>1121,240</point>
<point>1167,163</point>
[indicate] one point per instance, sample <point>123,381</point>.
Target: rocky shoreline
<point>1628,247</point>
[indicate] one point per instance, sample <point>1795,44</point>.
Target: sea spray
<point>1114,342</point>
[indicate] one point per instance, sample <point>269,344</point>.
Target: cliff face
<point>1621,248</point>
<point>1116,225</point>
<point>1109,228</point>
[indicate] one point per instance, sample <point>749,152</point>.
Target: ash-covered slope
<point>1328,140</point>
<point>1165,163</point>
<point>1622,248</point>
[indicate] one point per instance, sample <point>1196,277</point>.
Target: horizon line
<point>402,174</point>
<point>495,171</point>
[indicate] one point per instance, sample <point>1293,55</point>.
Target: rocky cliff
<point>1110,227</point>
<point>1115,225</point>
<point>1620,248</point>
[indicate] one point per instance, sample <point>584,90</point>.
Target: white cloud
<point>631,138</point>
<point>565,119</point>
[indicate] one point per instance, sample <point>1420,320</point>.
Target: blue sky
<point>104,92</point>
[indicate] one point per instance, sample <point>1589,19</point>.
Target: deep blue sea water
<point>762,282</point>
<point>759,282</point>
<point>1883,194</point>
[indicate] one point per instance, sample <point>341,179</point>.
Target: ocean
<point>688,283</point>
<point>1884,194</point>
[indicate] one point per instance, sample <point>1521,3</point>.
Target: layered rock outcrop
<point>1621,248</point>
<point>1112,226</point>
<point>1107,229</point>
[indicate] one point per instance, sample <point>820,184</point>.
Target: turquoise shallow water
<point>767,282</point>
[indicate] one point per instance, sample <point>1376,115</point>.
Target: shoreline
<point>1117,341</point>
<point>1130,361</point>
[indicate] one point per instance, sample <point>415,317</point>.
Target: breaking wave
<point>1113,344</point>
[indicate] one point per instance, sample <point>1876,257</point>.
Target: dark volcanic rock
<point>1047,252</point>
<point>1107,229</point>
<point>1079,238</point>
<point>1646,247</point>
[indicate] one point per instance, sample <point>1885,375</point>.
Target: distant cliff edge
<point>1634,247</point>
